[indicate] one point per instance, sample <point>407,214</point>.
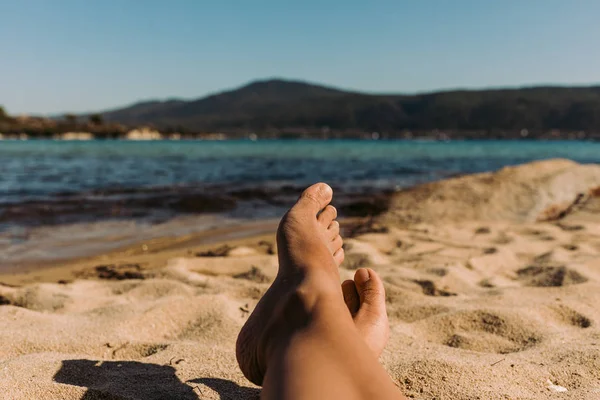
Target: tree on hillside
<point>2,113</point>
<point>70,119</point>
<point>96,119</point>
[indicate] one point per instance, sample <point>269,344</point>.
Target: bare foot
<point>310,250</point>
<point>365,298</point>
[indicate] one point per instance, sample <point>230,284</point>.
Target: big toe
<point>315,198</point>
<point>370,290</point>
<point>371,318</point>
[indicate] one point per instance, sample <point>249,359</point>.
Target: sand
<point>493,286</point>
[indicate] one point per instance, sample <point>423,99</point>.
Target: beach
<point>492,283</point>
<point>65,200</point>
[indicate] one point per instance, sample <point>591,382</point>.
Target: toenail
<point>324,189</point>
<point>364,273</point>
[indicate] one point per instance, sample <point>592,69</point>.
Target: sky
<point>60,56</point>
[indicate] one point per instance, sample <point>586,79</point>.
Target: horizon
<point>99,56</point>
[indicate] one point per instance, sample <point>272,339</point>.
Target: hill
<point>276,105</point>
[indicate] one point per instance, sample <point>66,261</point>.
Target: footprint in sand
<point>539,234</point>
<point>430,289</point>
<point>549,276</point>
<point>572,317</point>
<point>482,331</point>
<point>4,301</point>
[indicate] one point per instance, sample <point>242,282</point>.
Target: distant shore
<point>70,128</point>
<point>150,134</point>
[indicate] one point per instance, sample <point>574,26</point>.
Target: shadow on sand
<point>112,380</point>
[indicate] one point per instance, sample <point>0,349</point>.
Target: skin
<point>309,337</point>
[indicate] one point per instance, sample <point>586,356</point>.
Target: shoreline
<point>152,253</point>
<point>76,226</point>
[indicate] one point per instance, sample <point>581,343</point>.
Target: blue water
<point>41,170</point>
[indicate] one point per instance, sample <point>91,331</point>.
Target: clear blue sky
<point>82,55</point>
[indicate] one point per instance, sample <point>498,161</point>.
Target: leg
<point>301,342</point>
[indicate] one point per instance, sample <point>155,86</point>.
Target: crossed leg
<point>309,337</point>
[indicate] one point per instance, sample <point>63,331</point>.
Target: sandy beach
<point>492,283</point>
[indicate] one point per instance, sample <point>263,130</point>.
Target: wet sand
<point>492,283</point>
<point>38,233</point>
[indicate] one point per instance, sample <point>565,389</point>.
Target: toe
<point>315,198</point>
<point>338,256</point>
<point>327,216</point>
<point>336,244</point>
<point>351,296</point>
<point>370,290</point>
<point>371,318</point>
<point>334,230</point>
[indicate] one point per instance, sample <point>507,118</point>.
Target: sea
<point>83,197</point>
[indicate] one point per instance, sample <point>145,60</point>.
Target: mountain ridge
<point>280,104</point>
